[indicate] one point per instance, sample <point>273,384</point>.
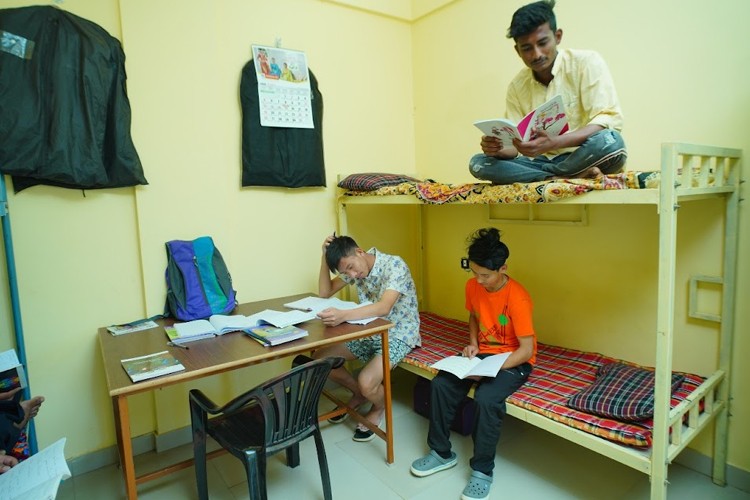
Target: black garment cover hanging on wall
<point>278,156</point>
<point>64,108</point>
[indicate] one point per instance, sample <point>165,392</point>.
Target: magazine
<point>131,327</point>
<point>12,374</point>
<point>151,365</point>
<point>549,117</point>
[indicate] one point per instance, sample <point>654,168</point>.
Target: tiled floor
<point>530,464</point>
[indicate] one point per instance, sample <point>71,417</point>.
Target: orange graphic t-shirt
<point>503,316</point>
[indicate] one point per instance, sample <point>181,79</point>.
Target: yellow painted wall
<point>85,262</point>
<point>679,70</point>
<point>398,98</point>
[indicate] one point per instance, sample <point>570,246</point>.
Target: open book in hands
<point>12,374</point>
<point>39,476</point>
<point>317,304</point>
<point>463,367</point>
<point>549,117</point>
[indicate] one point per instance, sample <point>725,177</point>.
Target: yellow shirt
<point>583,80</point>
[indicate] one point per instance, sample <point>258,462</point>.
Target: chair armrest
<point>197,397</point>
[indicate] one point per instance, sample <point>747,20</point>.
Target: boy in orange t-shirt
<point>500,320</point>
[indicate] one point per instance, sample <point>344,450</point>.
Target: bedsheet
<point>534,192</point>
<point>559,374</point>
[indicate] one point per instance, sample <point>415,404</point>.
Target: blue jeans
<point>604,149</point>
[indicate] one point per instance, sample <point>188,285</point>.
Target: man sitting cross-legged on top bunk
<point>593,146</point>
<point>386,282</point>
<point>499,322</point>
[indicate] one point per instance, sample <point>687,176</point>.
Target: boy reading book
<point>592,147</point>
<point>386,289</point>
<point>499,322</point>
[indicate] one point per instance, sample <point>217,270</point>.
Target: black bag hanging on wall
<point>65,114</point>
<point>279,156</point>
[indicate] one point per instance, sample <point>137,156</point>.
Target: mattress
<point>559,373</point>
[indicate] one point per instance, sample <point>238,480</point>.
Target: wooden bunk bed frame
<point>688,172</point>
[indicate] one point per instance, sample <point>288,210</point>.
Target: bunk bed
<point>688,173</point>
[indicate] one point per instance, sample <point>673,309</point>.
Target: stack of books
<point>182,333</point>
<point>270,335</point>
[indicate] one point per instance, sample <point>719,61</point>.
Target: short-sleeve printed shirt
<point>390,272</point>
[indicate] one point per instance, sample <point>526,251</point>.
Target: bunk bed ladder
<point>15,303</point>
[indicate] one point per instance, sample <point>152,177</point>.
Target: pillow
<point>373,181</point>
<point>621,391</point>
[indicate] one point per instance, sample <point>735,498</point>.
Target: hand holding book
<point>549,117</point>
<point>463,367</point>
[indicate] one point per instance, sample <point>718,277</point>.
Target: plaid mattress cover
<point>559,374</point>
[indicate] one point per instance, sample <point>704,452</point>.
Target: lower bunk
<point>562,377</point>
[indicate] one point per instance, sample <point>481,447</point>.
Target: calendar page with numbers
<point>283,87</point>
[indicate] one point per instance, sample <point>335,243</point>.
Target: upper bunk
<point>688,172</point>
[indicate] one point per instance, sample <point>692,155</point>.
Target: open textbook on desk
<point>317,304</point>
<point>549,117</point>
<point>219,324</point>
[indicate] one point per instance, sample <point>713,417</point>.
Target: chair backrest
<point>290,402</point>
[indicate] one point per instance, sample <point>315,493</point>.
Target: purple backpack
<point>198,282</point>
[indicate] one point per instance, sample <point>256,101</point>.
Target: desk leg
<point>387,397</point>
<point>124,445</point>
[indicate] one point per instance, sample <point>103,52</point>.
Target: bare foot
<point>589,173</point>
<point>30,410</point>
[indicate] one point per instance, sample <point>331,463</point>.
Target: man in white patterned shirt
<point>385,281</point>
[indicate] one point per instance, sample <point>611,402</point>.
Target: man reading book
<point>15,414</point>
<point>593,146</point>
<point>385,282</point>
<point>499,322</point>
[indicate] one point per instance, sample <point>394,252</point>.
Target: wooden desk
<point>213,356</point>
